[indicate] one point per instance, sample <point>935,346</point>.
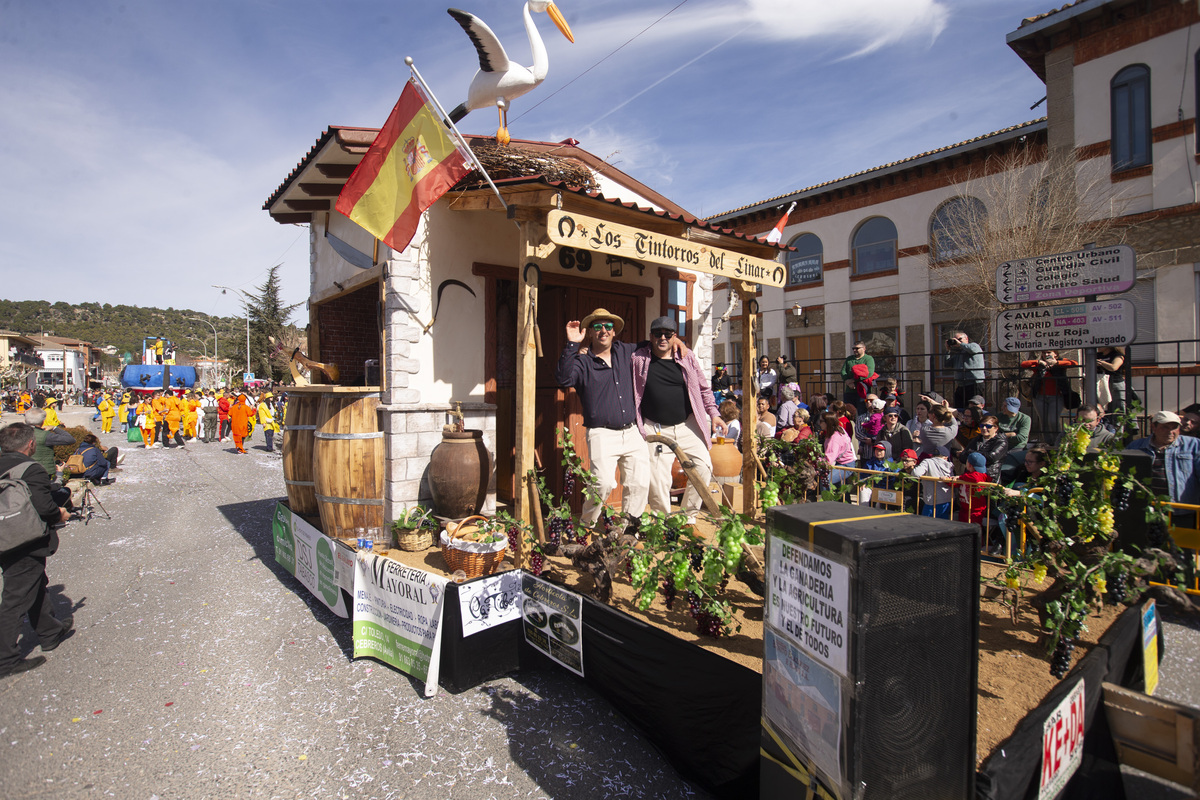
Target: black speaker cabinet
<point>870,654</point>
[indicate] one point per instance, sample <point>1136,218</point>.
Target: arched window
<point>957,228</point>
<point>875,246</point>
<point>806,264</point>
<point>1130,91</point>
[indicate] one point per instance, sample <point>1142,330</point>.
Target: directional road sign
<point>1105,270</point>
<point>1097,324</point>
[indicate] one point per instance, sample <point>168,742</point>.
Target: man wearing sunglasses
<point>673,399</point>
<point>603,380</point>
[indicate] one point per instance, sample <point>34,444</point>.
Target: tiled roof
<point>1050,13</point>
<point>1024,127</point>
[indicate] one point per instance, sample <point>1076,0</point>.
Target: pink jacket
<point>700,395</point>
<point>839,450</point>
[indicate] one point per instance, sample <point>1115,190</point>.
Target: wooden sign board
<point>592,235</point>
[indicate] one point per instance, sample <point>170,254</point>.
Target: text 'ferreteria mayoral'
<point>588,234</point>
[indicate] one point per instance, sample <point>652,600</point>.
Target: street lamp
<point>214,327</point>
<point>247,298</point>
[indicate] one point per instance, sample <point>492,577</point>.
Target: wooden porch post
<point>749,294</point>
<point>526,378</point>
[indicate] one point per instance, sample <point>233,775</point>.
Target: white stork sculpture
<point>499,80</point>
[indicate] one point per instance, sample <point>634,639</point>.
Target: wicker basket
<point>462,551</point>
<point>414,539</point>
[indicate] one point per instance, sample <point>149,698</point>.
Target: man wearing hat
<point>603,380</point>
<point>1172,458</point>
<point>267,418</point>
<point>673,400</point>
<point>1014,424</point>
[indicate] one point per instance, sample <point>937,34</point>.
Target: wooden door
<point>808,353</point>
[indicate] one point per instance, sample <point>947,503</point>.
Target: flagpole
<point>458,137</point>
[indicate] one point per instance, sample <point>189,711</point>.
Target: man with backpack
<point>27,512</point>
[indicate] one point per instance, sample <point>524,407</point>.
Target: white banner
<point>398,616</point>
<point>809,601</point>
<point>487,602</point>
<point>553,621</point>
<point>1062,743</point>
<point>311,556</point>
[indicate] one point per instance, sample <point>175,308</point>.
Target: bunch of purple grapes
<point>1121,495</point>
<point>556,528</point>
<point>514,537</point>
<point>694,605</point>
<point>536,561</point>
<point>708,624</point>
<point>668,590</point>
<point>568,482</point>
<point>1060,662</point>
<point>697,560</point>
<point>1118,586</point>
<point>1064,488</point>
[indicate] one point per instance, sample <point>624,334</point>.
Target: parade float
<point>447,344</point>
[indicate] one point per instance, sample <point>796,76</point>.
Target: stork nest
<point>512,162</point>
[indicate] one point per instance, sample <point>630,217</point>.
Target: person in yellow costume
<point>107,412</point>
<point>159,406</point>
<point>145,410</point>
<point>174,419</point>
<point>123,412</point>
<point>267,419</point>
<point>190,415</point>
<point>52,420</point>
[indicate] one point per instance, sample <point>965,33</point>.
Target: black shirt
<point>606,392</point>
<point>665,399</point>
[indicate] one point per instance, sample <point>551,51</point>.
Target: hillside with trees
<point>124,326</point>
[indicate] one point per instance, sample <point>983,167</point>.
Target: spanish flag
<point>411,163</point>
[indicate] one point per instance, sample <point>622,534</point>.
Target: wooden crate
<point>1155,736</point>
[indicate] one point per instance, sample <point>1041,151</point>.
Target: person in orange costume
<point>190,415</point>
<point>173,417</point>
<point>159,404</point>
<point>145,410</point>
<point>239,421</point>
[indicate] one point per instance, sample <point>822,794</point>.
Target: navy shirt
<point>605,391</point>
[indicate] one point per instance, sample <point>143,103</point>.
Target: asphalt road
<point>200,669</point>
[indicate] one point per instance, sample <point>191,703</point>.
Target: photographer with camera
<point>966,359</point>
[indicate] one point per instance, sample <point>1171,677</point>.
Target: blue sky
<point>140,139</point>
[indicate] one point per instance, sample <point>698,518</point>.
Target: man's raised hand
<point>574,332</point>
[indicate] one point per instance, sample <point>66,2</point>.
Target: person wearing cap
<point>108,412</point>
<point>978,403</point>
<point>893,432</point>
<point>891,401</point>
<point>673,399</point>
<point>876,457</point>
<point>966,359</point>
<point>51,408</point>
<point>603,380</point>
<point>935,494</point>
<point>266,417</point>
<point>1014,424</point>
<point>972,501</point>
<point>1173,459</point>
<point>239,422</point>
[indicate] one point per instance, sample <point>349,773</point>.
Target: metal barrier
<point>1170,382</point>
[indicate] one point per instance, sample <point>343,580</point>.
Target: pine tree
<point>268,318</point>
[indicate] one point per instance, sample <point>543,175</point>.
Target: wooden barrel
<point>348,463</point>
<point>298,428</point>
